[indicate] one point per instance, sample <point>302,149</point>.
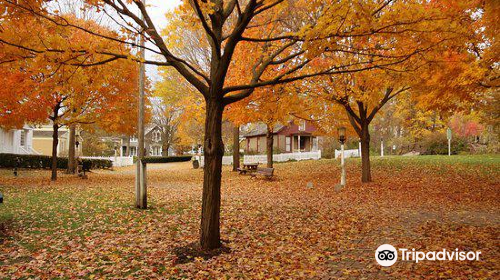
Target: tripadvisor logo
<point>387,255</point>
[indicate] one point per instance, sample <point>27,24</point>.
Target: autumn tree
<point>64,93</point>
<point>253,25</point>
<point>438,34</point>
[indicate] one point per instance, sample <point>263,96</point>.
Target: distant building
<point>287,138</point>
<point>42,141</point>
<point>152,140</point>
<point>17,141</point>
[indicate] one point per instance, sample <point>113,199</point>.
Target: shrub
<point>45,162</point>
<point>437,144</point>
<point>167,159</point>
<point>96,164</point>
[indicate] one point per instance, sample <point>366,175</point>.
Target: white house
<point>17,141</point>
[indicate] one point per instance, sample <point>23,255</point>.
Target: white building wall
<point>6,144</point>
<point>10,141</point>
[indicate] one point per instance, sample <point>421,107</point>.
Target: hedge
<point>40,161</point>
<point>167,159</point>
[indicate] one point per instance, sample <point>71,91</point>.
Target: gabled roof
<point>257,129</point>
<point>150,128</point>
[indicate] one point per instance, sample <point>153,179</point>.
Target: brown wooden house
<point>287,138</point>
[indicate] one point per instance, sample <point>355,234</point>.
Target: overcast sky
<point>157,10</point>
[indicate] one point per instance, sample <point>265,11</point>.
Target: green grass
<point>76,212</point>
<point>483,165</point>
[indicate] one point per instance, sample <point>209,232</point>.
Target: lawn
<point>89,229</point>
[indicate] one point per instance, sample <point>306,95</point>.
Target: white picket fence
<point>117,161</point>
<point>282,157</point>
<point>228,160</point>
<point>347,153</point>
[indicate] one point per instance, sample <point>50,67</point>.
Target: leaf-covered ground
<point>281,229</point>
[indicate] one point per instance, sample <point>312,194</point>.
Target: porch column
<point>121,147</point>
<point>298,143</point>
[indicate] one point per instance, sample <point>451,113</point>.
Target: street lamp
<point>341,132</point>
<point>342,138</point>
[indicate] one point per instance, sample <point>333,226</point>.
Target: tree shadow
<point>193,251</point>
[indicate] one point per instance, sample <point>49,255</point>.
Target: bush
<point>167,159</point>
<point>45,162</point>
<point>96,164</point>
<point>437,144</point>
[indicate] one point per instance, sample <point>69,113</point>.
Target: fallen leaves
<point>273,230</point>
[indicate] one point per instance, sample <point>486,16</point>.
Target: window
<point>156,136</point>
<point>155,151</point>
<point>23,138</point>
<point>302,125</point>
<point>288,142</point>
<point>133,139</point>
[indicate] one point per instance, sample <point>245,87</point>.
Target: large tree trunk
<point>166,149</point>
<point>269,148</point>
<point>236,148</point>
<point>72,150</point>
<point>213,151</point>
<point>366,175</point>
<point>55,142</point>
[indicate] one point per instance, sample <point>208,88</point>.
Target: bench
<point>265,172</point>
<point>248,168</point>
<point>242,170</point>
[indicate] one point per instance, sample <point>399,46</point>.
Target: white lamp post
<point>342,138</point>
<point>382,147</point>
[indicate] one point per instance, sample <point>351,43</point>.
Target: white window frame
<point>315,143</point>
<point>302,125</point>
<point>288,143</point>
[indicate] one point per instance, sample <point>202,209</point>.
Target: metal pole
<point>449,147</point>
<point>342,165</point>
<point>140,178</point>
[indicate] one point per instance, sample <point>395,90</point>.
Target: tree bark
<point>55,142</point>
<point>166,147</point>
<point>366,175</point>
<point>72,150</point>
<point>269,147</point>
<point>213,151</point>
<point>236,148</point>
